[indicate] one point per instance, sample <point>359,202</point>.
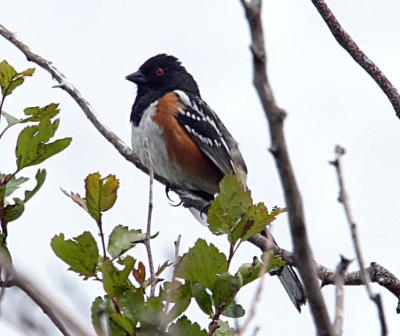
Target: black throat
<point>143,100</point>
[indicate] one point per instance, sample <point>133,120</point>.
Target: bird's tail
<point>291,282</point>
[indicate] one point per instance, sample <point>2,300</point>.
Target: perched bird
<point>187,141</point>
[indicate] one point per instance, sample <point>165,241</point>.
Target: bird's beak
<point>137,77</point>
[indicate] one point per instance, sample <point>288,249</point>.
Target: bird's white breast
<point>162,165</point>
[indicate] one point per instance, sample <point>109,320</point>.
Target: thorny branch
<point>345,40</point>
<point>275,117</point>
<point>344,199</point>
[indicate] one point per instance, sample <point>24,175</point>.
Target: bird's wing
<point>200,122</point>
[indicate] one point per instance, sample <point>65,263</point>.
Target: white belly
<point>162,165</point>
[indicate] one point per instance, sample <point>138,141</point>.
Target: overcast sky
<point>329,100</point>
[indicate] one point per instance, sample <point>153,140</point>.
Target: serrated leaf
<point>32,147</point>
<point>80,253</point>
<point>122,239</point>
<point>13,184</point>
<point>254,221</point>
<point>14,211</point>
<point>229,206</point>
<point>37,113</point>
<point>202,298</point>
<point>202,263</point>
<point>40,178</point>
<point>183,327</point>
<point>233,310</point>
<point>101,194</point>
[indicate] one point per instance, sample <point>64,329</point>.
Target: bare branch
<point>153,280</point>
<point>344,199</point>
<point>345,40</point>
<point>275,116</point>
<point>339,283</point>
<point>56,314</point>
<point>377,273</point>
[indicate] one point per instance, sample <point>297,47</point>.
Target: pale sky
<point>329,100</point>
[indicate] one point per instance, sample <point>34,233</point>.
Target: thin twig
<point>153,280</point>
<point>56,314</point>
<point>257,294</point>
<point>345,40</point>
<point>275,117</point>
<point>339,306</point>
<point>344,199</point>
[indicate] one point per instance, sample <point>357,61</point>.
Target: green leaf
<point>37,113</point>
<point>122,239</point>
<point>131,302</point>
<point>233,310</point>
<point>202,264</point>
<point>10,119</point>
<point>32,147</point>
<point>202,298</point>
<point>229,206</point>
<point>40,177</point>
<point>177,293</point>
<point>104,308</point>
<point>224,290</point>
<point>13,184</point>
<point>14,211</point>
<point>254,221</point>
<point>183,327</point>
<point>115,281</point>
<point>80,253</point>
<point>10,79</point>
<point>249,272</point>
<point>224,329</point>
<point>101,194</point>
<point>123,322</point>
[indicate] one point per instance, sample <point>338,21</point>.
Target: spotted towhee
<point>185,139</point>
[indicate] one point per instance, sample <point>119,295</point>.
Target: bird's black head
<point>163,73</point>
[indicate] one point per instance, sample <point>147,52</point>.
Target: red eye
<point>160,72</point>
